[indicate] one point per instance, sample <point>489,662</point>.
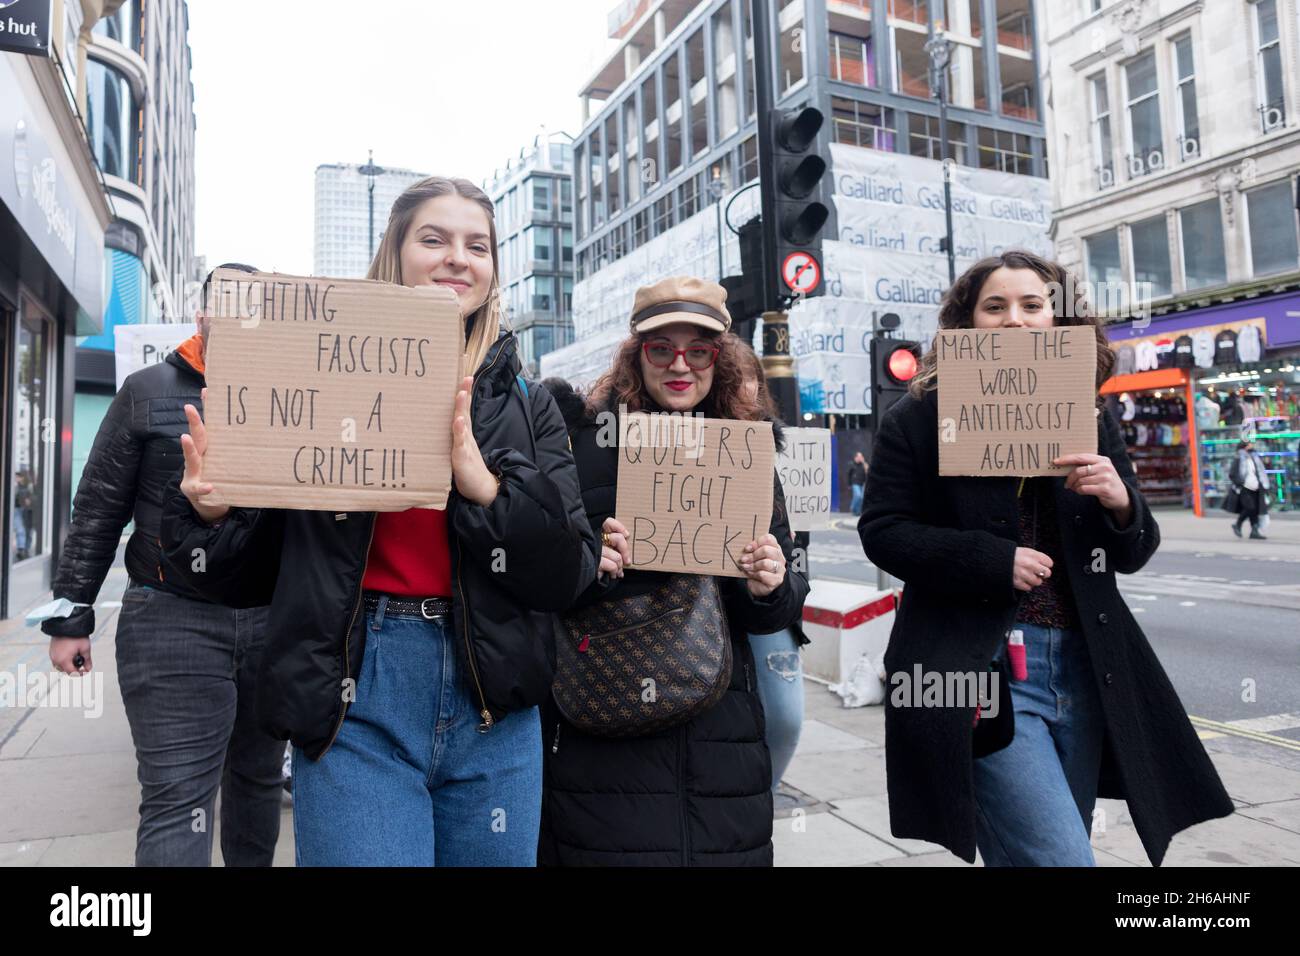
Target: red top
<point>409,555</point>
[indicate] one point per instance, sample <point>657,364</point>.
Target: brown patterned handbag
<point>641,664</point>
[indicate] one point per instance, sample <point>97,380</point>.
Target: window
<point>967,73</point>
<point>725,113</point>
<point>650,121</point>
<point>1189,127</point>
<point>1272,101</point>
<point>1103,260</point>
<point>751,95</point>
<point>123,25</point>
<point>538,241</point>
<point>566,245</point>
<point>852,60</point>
<point>699,94</point>
<point>923,138</point>
<point>911,62</point>
<point>673,111</point>
<point>1272,213</point>
<point>1150,239</point>
<point>862,124</point>
<point>1204,263</point>
<point>566,197</point>
<point>748,160</point>
<point>613,190</point>
<point>1102,146</point>
<point>688,198</point>
<point>792,44</point>
<point>1144,115</point>
<point>631,149</point>
<point>912,11</point>
<point>1019,95</point>
<point>640,228</point>
<point>31,453</point>
<point>663,213</point>
<point>543,293</point>
<point>542,197</point>
<point>112,121</point>
<point>1008,152</point>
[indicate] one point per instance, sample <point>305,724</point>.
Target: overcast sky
<point>449,87</point>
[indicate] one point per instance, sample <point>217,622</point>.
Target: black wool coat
<point>953,540</point>
<point>693,795</point>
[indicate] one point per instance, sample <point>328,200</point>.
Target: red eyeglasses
<point>663,355</point>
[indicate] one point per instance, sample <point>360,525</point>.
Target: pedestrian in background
<point>777,659</point>
<point>857,481</point>
<point>186,666</point>
<point>1093,713</point>
<point>1248,497</point>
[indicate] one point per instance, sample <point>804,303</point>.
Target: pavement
<point>68,780</point>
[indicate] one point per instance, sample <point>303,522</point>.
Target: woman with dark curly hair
<point>992,564</point>
<point>698,793</point>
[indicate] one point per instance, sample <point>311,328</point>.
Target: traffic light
<point>744,291</point>
<point>894,363</point>
<point>791,171</point>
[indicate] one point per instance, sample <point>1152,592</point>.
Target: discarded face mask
<point>60,608</point>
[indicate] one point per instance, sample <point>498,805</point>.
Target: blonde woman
<point>437,761</point>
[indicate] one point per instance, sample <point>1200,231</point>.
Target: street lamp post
<point>370,171</point>
<point>940,50</point>
<point>717,188</point>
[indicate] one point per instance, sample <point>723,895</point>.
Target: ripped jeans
<point>780,688</point>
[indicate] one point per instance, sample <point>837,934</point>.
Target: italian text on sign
<point>804,467</point>
<point>693,492</point>
<point>330,394</point>
<point>1011,400</point>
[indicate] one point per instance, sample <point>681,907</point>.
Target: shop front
<point>52,219</point>
<point>1188,387</point>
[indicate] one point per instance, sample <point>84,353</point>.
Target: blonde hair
<point>387,265</point>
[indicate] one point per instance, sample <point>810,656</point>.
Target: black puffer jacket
<point>694,795</point>
<point>315,561</point>
<point>136,455</point>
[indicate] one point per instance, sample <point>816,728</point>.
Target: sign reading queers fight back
<point>330,394</point>
<point>693,492</point>
<point>1012,400</point>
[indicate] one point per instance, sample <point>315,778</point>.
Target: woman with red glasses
<point>699,793</point>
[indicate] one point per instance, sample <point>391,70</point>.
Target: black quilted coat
<point>694,795</point>
<point>136,454</point>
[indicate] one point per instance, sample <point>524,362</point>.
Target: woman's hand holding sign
<point>473,480</point>
<point>193,486</point>
<point>614,553</point>
<point>1096,475</point>
<point>763,562</point>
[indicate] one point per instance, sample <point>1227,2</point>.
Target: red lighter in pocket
<point>1016,655</point>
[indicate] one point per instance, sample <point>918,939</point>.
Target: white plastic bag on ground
<point>865,685</point>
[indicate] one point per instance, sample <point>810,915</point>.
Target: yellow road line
<point>1213,725</point>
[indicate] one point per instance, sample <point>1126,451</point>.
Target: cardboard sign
<point>804,468</point>
<point>139,346</point>
<point>1011,400</point>
<point>693,491</point>
<point>330,394</point>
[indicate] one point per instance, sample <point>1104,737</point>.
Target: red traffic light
<point>902,364</point>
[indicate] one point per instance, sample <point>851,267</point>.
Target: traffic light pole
<point>778,365</point>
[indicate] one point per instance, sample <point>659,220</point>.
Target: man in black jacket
<point>185,666</point>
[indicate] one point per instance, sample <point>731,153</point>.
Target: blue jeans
<point>1034,798</point>
<point>780,688</point>
<point>410,781</point>
<point>186,670</point>
<point>856,506</point>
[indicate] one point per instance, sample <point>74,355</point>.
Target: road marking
<point>1144,597</point>
<point>1187,604</point>
<point>1249,581</point>
<point>1283,742</point>
<point>1138,610</point>
<point>1270,723</point>
<point>1209,734</point>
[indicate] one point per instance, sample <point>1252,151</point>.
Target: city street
<point>74,792</point>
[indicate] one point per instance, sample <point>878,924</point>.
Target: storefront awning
<point>1158,378</point>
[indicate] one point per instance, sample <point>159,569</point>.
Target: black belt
<point>427,608</point>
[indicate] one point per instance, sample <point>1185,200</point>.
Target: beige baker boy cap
<point>681,299</point>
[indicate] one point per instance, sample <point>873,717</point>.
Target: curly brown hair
<point>957,311</point>
<point>623,384</point>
